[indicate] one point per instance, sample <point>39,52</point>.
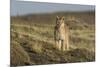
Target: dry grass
<point>19,55</point>
<point>33,37</point>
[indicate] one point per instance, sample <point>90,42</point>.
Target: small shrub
<point>18,55</point>
<point>36,47</point>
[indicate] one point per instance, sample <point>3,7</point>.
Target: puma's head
<point>59,21</point>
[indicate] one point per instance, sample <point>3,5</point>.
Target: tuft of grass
<point>18,55</point>
<point>36,47</point>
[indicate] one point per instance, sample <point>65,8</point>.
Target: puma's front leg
<point>63,45</point>
<point>59,45</point>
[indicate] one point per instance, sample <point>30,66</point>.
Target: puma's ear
<point>63,18</point>
<point>57,17</point>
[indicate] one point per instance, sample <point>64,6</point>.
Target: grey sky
<point>21,7</point>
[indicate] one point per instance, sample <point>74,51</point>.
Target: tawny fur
<point>61,34</point>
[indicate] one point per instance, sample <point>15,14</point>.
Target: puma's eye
<point>63,19</point>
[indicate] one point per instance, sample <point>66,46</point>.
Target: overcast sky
<point>21,7</point>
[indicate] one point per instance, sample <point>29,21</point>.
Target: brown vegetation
<point>32,39</point>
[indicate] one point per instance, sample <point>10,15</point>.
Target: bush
<point>18,55</point>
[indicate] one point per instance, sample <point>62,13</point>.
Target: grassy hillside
<point>32,36</point>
